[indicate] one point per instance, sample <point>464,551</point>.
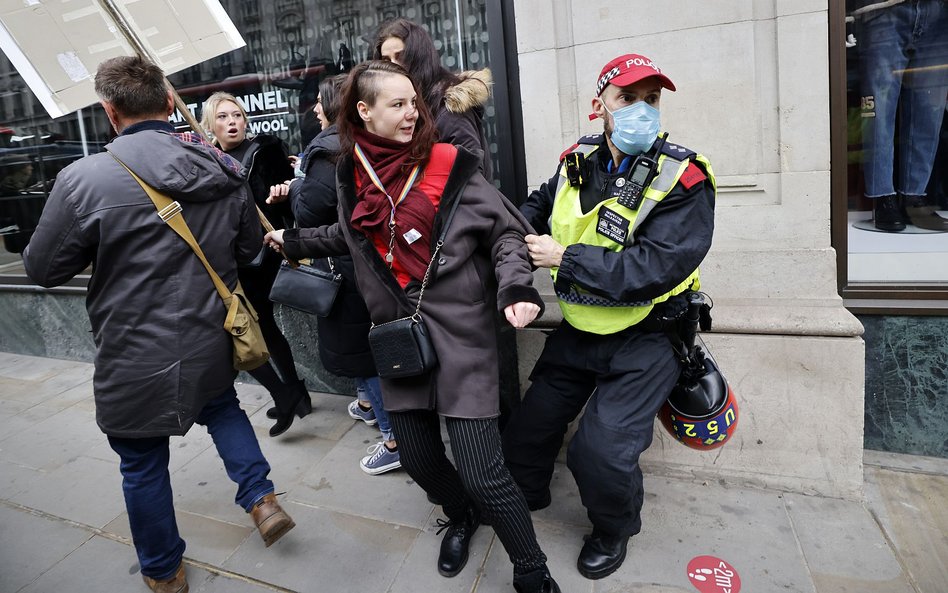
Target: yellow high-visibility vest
<point>569,225</point>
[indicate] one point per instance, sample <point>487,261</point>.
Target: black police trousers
<point>625,378</point>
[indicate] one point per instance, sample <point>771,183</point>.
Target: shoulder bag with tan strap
<point>250,350</point>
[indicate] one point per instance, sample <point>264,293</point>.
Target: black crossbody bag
<point>403,348</point>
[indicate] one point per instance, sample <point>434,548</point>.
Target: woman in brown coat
<point>390,226</point>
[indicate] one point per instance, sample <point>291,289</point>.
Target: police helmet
<point>701,411</point>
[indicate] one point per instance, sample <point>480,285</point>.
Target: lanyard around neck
<point>389,257</point>
<point>378,182</point>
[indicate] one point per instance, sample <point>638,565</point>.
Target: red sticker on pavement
<point>713,575</point>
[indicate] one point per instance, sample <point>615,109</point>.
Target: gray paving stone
<point>327,551</point>
<point>72,396</point>
<point>843,546</point>
<point>16,478</point>
<point>31,544</point>
<point>749,529</point>
<point>912,509</point>
<point>208,540</point>
<point>338,483</point>
<point>99,564</point>
<point>293,460</point>
<point>33,368</point>
<point>53,441</point>
<point>51,384</point>
<point>85,490</point>
<point>202,581</point>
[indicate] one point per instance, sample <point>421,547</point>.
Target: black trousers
<point>622,379</point>
<point>257,282</point>
<point>480,478</point>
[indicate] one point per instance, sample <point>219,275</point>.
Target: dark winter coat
<point>482,268</point>
<point>343,334</point>
<point>265,162</point>
<point>157,321</point>
<point>459,116</point>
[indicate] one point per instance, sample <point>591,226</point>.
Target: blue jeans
<point>147,483</point>
<point>900,50</point>
<point>369,389</point>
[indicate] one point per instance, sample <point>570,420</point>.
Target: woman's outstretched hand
<point>521,314</point>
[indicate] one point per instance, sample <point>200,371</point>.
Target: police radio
<point>629,189</point>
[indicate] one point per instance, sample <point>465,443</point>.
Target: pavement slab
<point>912,509</point>
<point>32,544</point>
<point>327,551</point>
<point>61,503</point>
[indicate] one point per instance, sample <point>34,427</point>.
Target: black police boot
<point>887,214</point>
<point>922,215</point>
<point>456,542</point>
<point>602,554</point>
<point>537,581</point>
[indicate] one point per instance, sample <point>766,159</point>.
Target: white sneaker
<point>380,460</point>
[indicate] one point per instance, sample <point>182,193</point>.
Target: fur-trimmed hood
<point>473,91</point>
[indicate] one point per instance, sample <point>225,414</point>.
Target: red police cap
<point>630,68</point>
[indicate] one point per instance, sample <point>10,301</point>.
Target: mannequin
<point>903,51</point>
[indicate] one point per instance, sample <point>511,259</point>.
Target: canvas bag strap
<point>170,212</point>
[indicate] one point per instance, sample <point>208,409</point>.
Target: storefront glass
<point>897,141</point>
<point>291,46</point>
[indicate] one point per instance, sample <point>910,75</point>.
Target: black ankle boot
<point>304,408</point>
<point>537,581</point>
<point>922,215</point>
<point>887,214</point>
<point>288,400</point>
<point>602,554</point>
<point>456,542</point>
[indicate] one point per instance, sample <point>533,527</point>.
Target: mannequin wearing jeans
<point>903,50</point>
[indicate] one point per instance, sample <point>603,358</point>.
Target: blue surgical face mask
<point>634,127</point>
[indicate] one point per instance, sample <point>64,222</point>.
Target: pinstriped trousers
<point>481,477</point>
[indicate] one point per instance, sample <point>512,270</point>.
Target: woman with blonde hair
<point>265,163</point>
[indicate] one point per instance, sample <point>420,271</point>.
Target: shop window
<point>896,82</point>
<point>291,46</point>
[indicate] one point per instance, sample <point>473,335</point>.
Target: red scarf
<point>414,216</point>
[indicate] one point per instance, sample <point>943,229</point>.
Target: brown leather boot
<point>176,584</point>
<point>271,519</point>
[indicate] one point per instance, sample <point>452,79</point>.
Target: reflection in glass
<point>291,46</point>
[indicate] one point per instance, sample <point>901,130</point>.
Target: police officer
<point>623,225</point>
